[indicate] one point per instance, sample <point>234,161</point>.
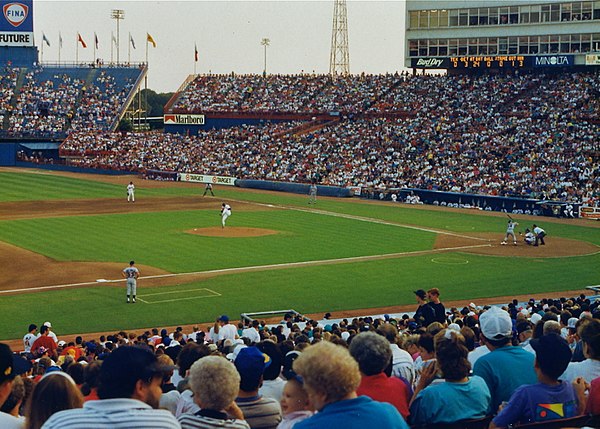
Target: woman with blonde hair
<point>56,391</point>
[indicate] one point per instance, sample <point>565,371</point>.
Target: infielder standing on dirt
<point>208,189</point>
<point>312,193</point>
<point>510,231</point>
<point>131,273</point>
<point>225,213</point>
<point>131,192</point>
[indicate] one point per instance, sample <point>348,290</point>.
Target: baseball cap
<point>288,363</point>
<point>62,343</point>
<point>128,364</point>
<point>48,324</point>
<point>535,318</point>
<point>495,324</point>
<point>11,364</point>
<point>420,293</point>
<point>224,318</point>
<point>572,322</point>
<point>251,363</point>
<point>552,354</point>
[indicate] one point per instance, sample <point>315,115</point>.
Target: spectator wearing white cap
<point>506,367</point>
<point>50,333</point>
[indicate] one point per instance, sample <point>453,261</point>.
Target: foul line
<point>371,220</point>
<point>260,267</point>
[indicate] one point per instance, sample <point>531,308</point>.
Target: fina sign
<point>16,23</point>
<point>183,119</point>
<point>553,60</point>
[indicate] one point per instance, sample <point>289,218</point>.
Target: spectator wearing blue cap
<point>129,391</point>
<point>550,398</point>
<point>226,331</point>
<point>259,411</point>
<point>8,372</point>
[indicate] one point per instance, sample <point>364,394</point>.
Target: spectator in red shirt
<point>374,355</point>
<point>45,341</point>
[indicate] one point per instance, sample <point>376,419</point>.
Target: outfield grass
<point>158,239</point>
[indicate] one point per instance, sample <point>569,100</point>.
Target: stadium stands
<point>54,101</point>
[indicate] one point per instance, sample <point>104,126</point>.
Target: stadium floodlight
<point>265,42</point>
<point>117,15</point>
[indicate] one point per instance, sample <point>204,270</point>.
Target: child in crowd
<point>294,404</point>
<point>551,398</point>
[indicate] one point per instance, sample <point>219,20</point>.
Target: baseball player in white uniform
<point>131,273</point>
<point>208,188</point>
<point>510,231</point>
<point>225,213</point>
<point>529,237</point>
<point>312,194</point>
<point>131,192</point>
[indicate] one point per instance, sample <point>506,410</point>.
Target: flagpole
<point>59,46</point>
<point>129,49</point>
<point>95,38</point>
<point>195,61</point>
<point>77,50</point>
<point>42,51</point>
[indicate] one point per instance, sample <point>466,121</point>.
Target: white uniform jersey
<point>131,272</point>
<point>226,210</point>
<point>537,230</point>
<point>510,228</point>
<point>28,340</point>
<point>130,188</point>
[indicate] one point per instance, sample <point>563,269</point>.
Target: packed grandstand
<point>521,135</point>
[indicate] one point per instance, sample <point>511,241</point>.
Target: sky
<point>227,34</point>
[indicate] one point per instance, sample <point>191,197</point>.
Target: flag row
<point>80,40</point>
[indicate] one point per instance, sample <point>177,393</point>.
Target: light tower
<point>117,15</point>
<point>339,58</point>
<point>265,42</point>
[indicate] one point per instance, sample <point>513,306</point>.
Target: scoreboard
<point>487,62</point>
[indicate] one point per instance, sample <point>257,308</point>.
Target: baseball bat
<point>509,216</point>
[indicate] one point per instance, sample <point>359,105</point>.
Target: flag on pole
<point>96,40</point>
<point>45,39</point>
<point>80,40</point>
<point>195,53</point>
<point>131,40</point>
<point>114,39</point>
<point>150,39</point>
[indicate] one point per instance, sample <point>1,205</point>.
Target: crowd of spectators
<point>523,362</point>
<point>53,105</point>
<point>8,82</point>
<point>303,93</point>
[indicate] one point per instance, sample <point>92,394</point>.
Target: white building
<point>460,35</point>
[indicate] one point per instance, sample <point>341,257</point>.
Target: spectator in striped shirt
<point>129,391</point>
<point>260,412</point>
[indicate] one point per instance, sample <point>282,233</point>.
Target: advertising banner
<point>204,178</point>
<point>553,60</point>
<point>16,23</point>
<point>429,63</point>
<point>185,119</point>
<point>592,60</point>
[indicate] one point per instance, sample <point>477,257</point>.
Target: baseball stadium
<point>471,174</point>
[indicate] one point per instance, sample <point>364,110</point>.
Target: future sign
<point>16,23</point>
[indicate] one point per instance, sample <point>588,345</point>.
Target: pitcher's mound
<point>232,231</point>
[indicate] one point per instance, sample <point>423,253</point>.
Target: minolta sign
<point>553,60</point>
<point>429,63</point>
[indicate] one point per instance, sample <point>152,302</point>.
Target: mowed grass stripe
<point>160,239</point>
<point>313,289</point>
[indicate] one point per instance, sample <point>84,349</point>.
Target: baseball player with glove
<point>225,213</point>
<point>131,273</point>
<point>131,192</point>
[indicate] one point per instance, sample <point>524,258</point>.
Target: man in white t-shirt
<point>251,332</point>
<point>226,330</point>
<point>50,333</point>
<point>30,337</point>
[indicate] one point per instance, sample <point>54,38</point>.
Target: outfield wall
<point>296,188</point>
<point>61,167</point>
